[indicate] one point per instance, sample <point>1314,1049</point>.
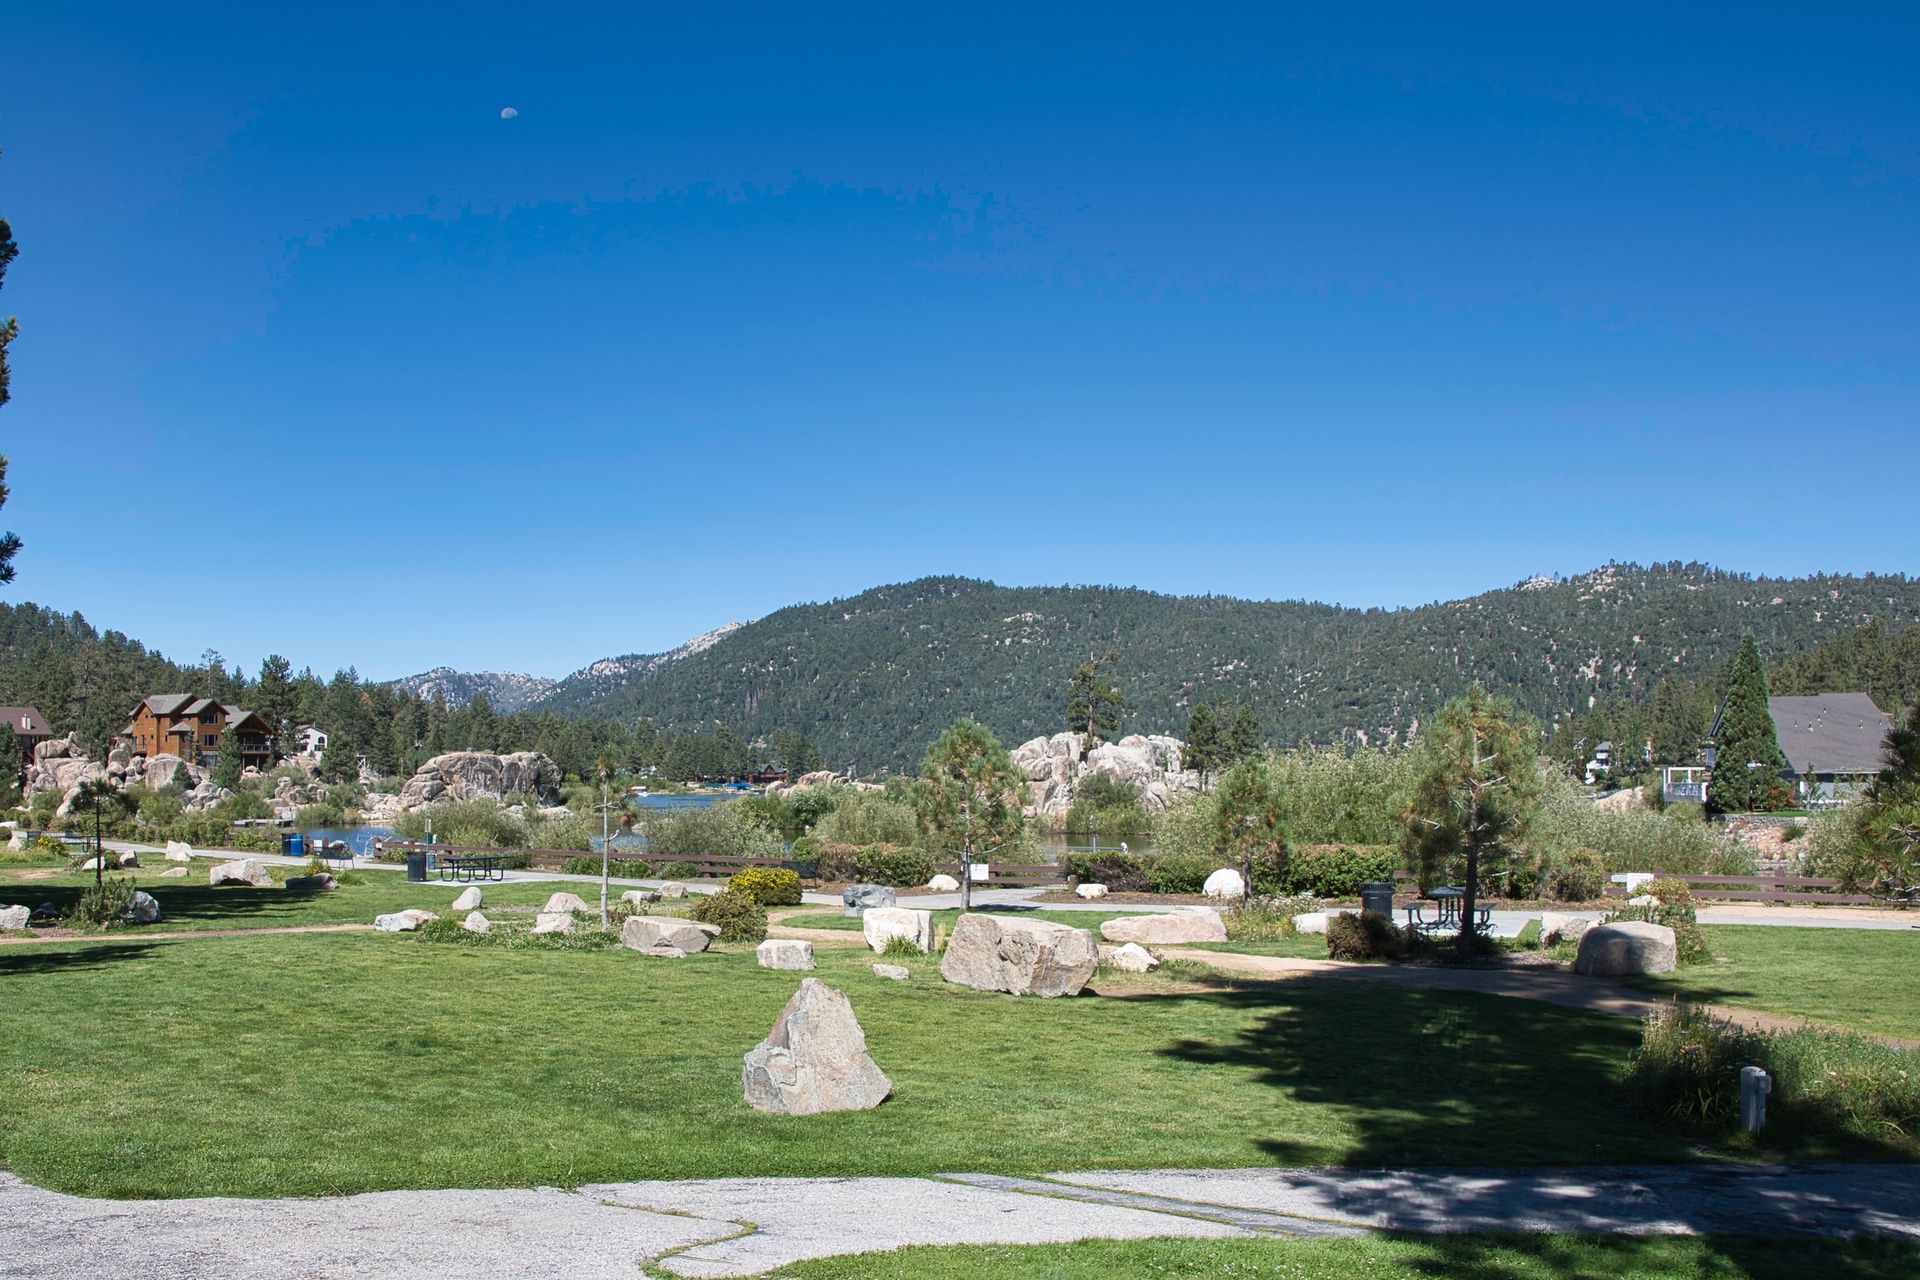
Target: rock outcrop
<point>814,1060</point>
<point>1021,957</point>
<point>1152,765</point>
<point>475,775</point>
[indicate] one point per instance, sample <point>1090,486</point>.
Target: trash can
<point>416,866</point>
<point>1376,898</point>
<point>292,845</point>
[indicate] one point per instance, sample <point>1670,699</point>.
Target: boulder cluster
<point>472,775</point>
<point>59,765</point>
<point>1154,766</point>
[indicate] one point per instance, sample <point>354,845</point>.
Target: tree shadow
<point>180,900</point>
<point>23,960</point>
<point>1481,1084</point>
<point>1527,1257</point>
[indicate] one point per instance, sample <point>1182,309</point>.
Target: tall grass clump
<point>717,830</point>
<point>868,818</point>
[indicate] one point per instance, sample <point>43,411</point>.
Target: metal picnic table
<point>1445,905</point>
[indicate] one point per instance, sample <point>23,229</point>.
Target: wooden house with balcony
<point>198,730</point>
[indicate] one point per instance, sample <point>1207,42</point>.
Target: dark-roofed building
<point>1834,742</point>
<point>30,729</point>
<point>198,729</point>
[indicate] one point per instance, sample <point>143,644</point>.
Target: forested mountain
<point>506,691</point>
<point>873,678</point>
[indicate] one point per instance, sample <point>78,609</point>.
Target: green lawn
<point>325,1063</point>
<point>1464,1257</point>
<point>1304,944</point>
<point>194,904</point>
<point>1860,979</point>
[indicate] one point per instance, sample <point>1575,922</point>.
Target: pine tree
<point>970,796</point>
<point>1243,734</point>
<point>1747,763</point>
<point>1094,703</point>
<point>1205,749</point>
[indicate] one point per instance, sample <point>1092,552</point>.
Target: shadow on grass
<point>182,901</point>
<point>94,955</point>
<point>1487,1257</point>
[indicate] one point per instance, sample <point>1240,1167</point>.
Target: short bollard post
<point>1755,1085</point>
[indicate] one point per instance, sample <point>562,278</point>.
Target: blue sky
<point>753,305</point>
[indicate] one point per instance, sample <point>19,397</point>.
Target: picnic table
<point>472,866</point>
<point>1445,903</point>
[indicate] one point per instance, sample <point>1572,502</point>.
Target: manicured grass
<point>1300,946</point>
<point>1463,1257</point>
<point>325,1063</point>
<point>1859,979</point>
<point>193,904</point>
<point>944,919</point>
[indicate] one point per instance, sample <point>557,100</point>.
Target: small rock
<point>91,864</point>
<point>1090,890</point>
<point>814,1060</point>
<point>143,909</point>
<point>1204,925</point>
<point>17,842</point>
<point>1225,883</point>
<point>943,883</point>
<point>1131,958</point>
<point>554,921</point>
<point>1559,926</point>
<point>565,902</point>
<point>476,923</point>
<point>664,951</point>
<point>643,932</point>
<point>640,897</point>
<point>673,889</point>
<point>857,899</point>
<point>469,900</point>
<point>45,911</point>
<point>319,882</point>
<point>172,873</point>
<point>14,917</point>
<point>179,851</point>
<point>892,972</point>
<point>784,953</point>
<point>128,859</point>
<point>403,921</point>
<point>883,924</point>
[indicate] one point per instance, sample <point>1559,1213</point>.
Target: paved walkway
<point>748,1226</point>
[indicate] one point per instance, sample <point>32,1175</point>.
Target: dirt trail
<point>821,937</point>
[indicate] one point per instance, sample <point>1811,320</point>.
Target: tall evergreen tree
<point>1243,734</point>
<point>9,330</point>
<point>1747,764</point>
<point>1094,703</point>
<point>1205,751</point>
<point>970,796</point>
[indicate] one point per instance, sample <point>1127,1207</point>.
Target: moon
<point>508,113</point>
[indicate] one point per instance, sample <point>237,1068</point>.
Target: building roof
<point>1831,732</point>
<point>26,721</point>
<point>165,704</point>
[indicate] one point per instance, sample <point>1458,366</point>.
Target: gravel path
<point>747,1226</point>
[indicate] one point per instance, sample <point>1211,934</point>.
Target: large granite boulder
<point>1225,883</point>
<point>1021,957</point>
<point>553,922</point>
<point>883,924</point>
<point>784,953</point>
<point>469,900</point>
<point>473,775</point>
<point>644,933</point>
<point>1628,946</point>
<point>1131,958</point>
<point>403,921</point>
<point>1204,925</point>
<point>814,1060</point>
<point>567,902</point>
<point>179,851</point>
<point>159,771</point>
<point>476,923</point>
<point>857,899</point>
<point>247,871</point>
<point>143,909</point>
<point>1056,766</point>
<point>943,883</point>
<point>14,917</point>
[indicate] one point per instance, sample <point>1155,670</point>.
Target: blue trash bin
<point>293,845</point>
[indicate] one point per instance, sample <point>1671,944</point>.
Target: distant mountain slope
<point>604,679</point>
<point>506,691</point>
<point>873,678</point>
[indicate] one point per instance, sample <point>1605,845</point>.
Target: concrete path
<point>748,1226</point>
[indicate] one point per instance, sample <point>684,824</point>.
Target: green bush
<point>1672,906</point>
<point>1581,876</point>
<point>740,918</point>
<point>1266,919</point>
<point>1363,937</point>
<point>768,886</point>
<point>886,864</point>
<point>900,945</point>
<point>676,870</point>
<point>1687,1071</point>
<point>483,823</point>
<point>1143,872</point>
<point>708,831</point>
<point>1105,806</point>
<point>101,905</point>
<point>1332,870</point>
<point>865,818</point>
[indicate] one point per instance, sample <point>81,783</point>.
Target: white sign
<point>978,870</point>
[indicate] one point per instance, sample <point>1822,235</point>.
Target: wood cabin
<point>198,729</point>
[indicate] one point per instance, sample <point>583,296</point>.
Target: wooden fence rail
<point>1780,890</point>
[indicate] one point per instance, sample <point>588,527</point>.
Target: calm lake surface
<point>360,839</point>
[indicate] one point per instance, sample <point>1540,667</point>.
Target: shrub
<point>740,918</point>
<point>900,945</point>
<point>1672,906</point>
<point>569,832</point>
<point>1266,919</point>
<point>470,822</point>
<point>1687,1070</point>
<point>1331,870</point>
<point>1363,937</point>
<point>876,864</point>
<point>676,870</point>
<point>101,905</point>
<point>704,831</point>
<point>1143,872</point>
<point>768,886</point>
<point>866,818</point>
<point>1579,877</point>
<point>1104,805</point>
